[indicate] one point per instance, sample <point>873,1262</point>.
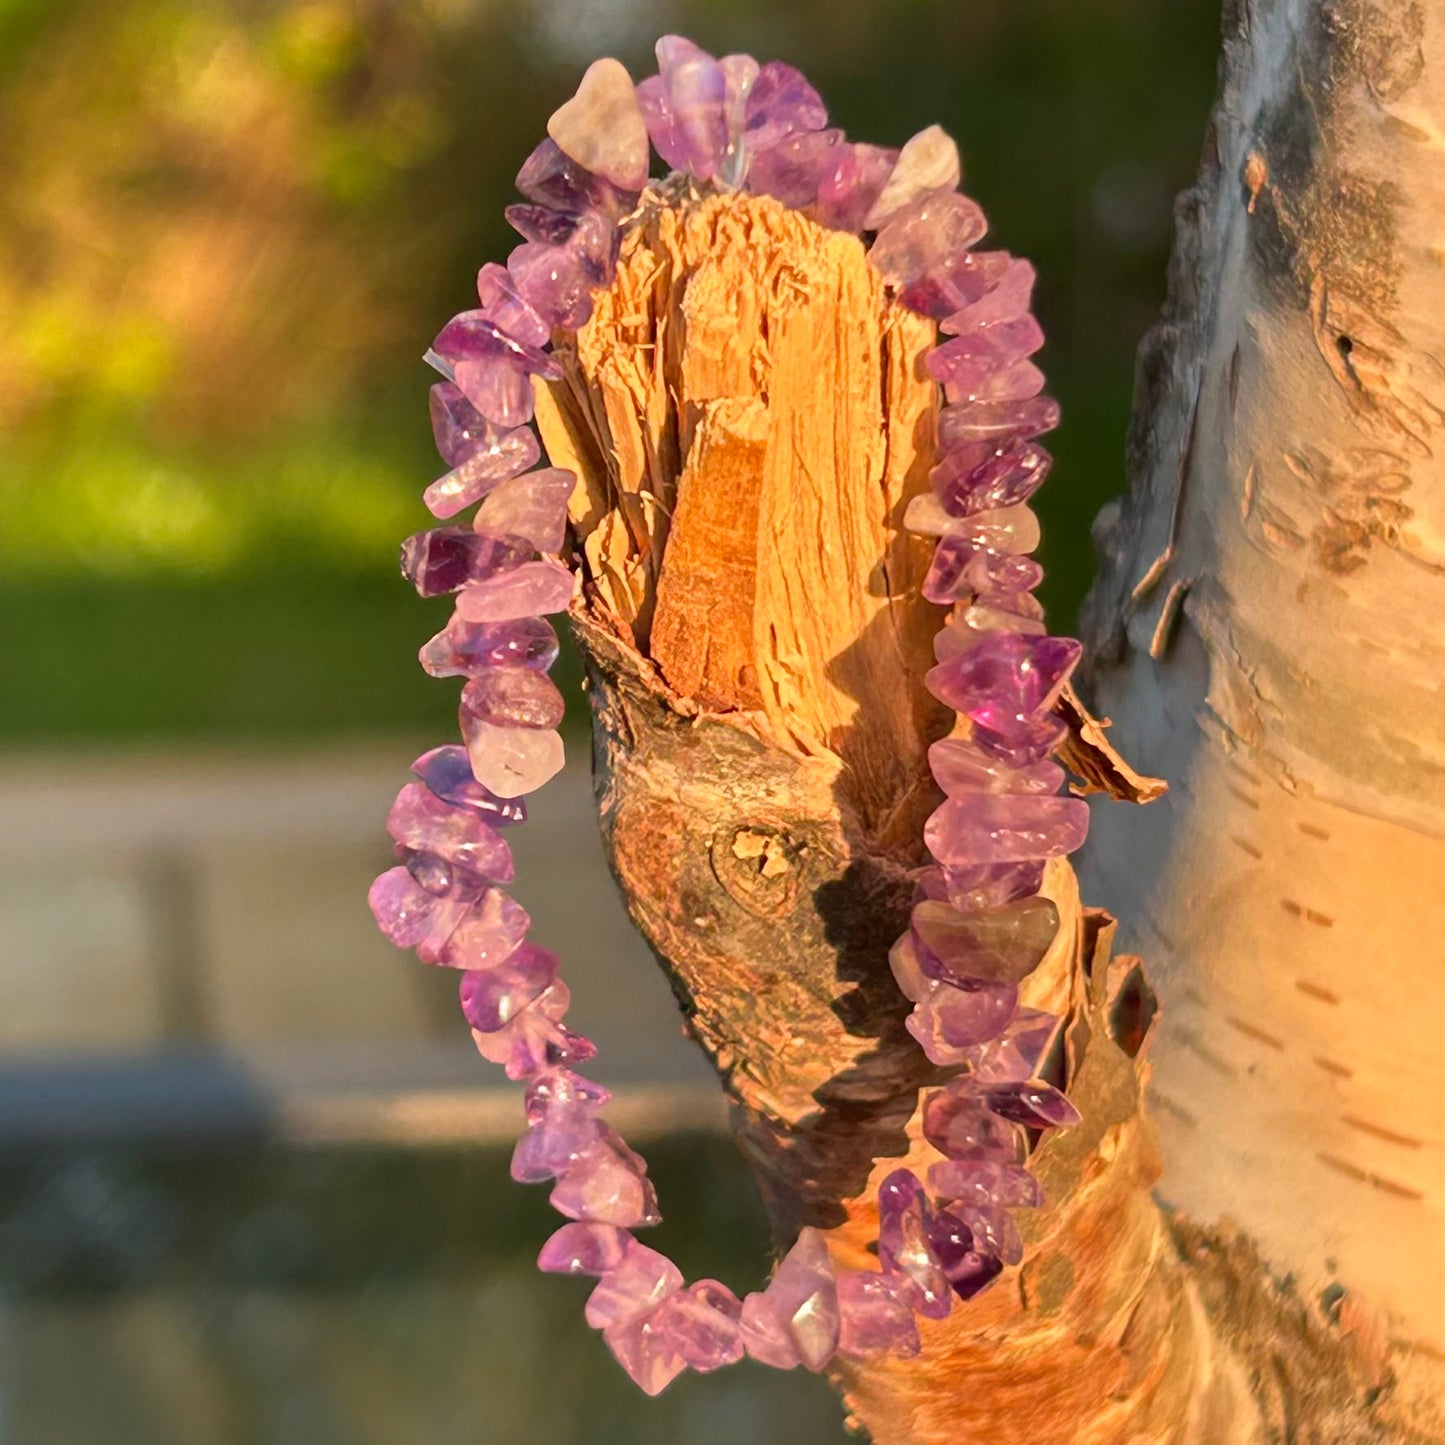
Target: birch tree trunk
<point>749,418</point>
<point>1268,633</point>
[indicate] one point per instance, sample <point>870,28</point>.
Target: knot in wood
<point>757,866</point>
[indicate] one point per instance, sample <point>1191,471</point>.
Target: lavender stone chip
<point>421,820</point>
<point>445,559</point>
<point>1011,827</point>
<point>875,1318</point>
<point>577,1248</point>
<point>530,589</point>
<point>511,761</point>
<point>532,506</point>
<point>464,649</point>
<point>514,697</point>
<point>492,997</point>
<point>448,773</point>
<point>1031,1103</point>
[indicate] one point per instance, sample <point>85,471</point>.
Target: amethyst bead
<point>507,309</point>
<point>511,761</point>
<point>973,1181</point>
<point>412,917</point>
<point>493,997</point>
<point>984,478</point>
<point>701,1322</point>
<point>874,1317</point>
<point>514,697</point>
<point>695,88</point>
<point>928,231</point>
<point>1007,680</point>
<point>1012,827</point>
<point>904,1219</point>
<point>959,569</point>
<point>607,1183</point>
<point>532,506</point>
<point>562,1121</point>
<point>552,178</point>
<point>480,454</point>
<point>447,558</point>
<point>448,773</point>
<point>958,1126</point>
<point>969,1270</point>
<point>1035,1105</point>
<point>493,927</point>
<point>577,1248</point>
<point>421,820</point>
<point>527,590</point>
<point>999,946</point>
<point>970,422</point>
<point>536,1039</point>
<point>465,649</point>
<point>802,1298</point>
<point>960,768</point>
<point>781,103</point>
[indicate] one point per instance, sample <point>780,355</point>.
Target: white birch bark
<point>1268,633</point>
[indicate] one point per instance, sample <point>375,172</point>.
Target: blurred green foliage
<point>231,226</point>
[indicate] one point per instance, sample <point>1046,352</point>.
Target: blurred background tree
<point>231,228</point>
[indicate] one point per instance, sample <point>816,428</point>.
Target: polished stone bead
<point>419,819</point>
<point>975,379</point>
<point>1024,744</point>
<point>740,72</point>
<point>607,1183</point>
<point>532,506</point>
<point>633,1287</point>
<point>702,1323</point>
<point>1007,681</point>
<point>507,308</point>
<point>447,558</point>
<point>1005,828</point>
<point>994,421</point>
<point>956,1123</point>
<point>493,927</point>
<point>804,1296</point>
<point>793,170</point>
<point>492,997</point>
<point>557,280</point>
<point>960,768</point>
<point>514,697</point>
<point>781,103</point>
<point>536,1038</point>
<point>561,1122</point>
<point>928,163</point>
<point>968,1269</point>
<point>998,345</point>
<point>849,184</point>
<point>1019,1053</point>
<point>987,885</point>
<point>995,946</point>
<point>924,234</point>
<point>993,1229</point>
<point>1005,529</point>
<point>550,177</point>
<point>412,917</point>
<point>985,1181</point>
<point>648,1353</point>
<point>765,1337</point>
<point>874,1317</point>
<point>1006,300</point>
<point>447,771</point>
<point>962,1016</point>
<point>956,282</point>
<point>1031,1103</point>
<point>984,477</point>
<point>656,107</point>
<point>959,569</point>
<point>601,126</point>
<point>542,223</point>
<point>481,456</point>
<point>970,623</point>
<point>904,1218</point>
<point>695,85</point>
<point>529,590</point>
<point>464,649</point>
<point>511,761</point>
<point>492,369</point>
<point>578,1248</point>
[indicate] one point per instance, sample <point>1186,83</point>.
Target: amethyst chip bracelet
<point>980,925</point>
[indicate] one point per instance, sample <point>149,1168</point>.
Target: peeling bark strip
<point>748,418</point>
<point>1286,463</point>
